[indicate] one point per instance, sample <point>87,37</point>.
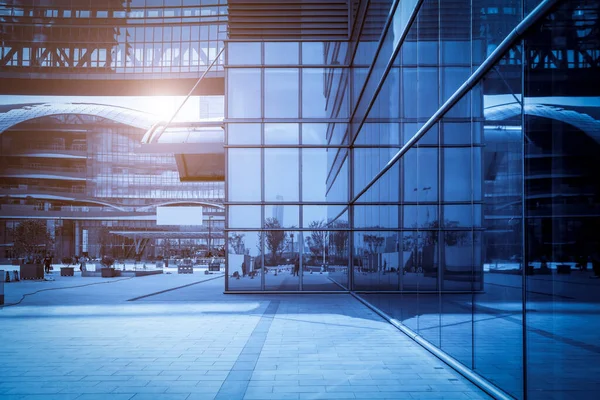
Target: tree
<point>32,239</point>
<point>318,241</point>
<point>339,239</point>
<point>236,243</point>
<point>374,242</point>
<point>275,239</point>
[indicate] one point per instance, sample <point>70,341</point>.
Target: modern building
<point>77,99</point>
<point>437,159</point>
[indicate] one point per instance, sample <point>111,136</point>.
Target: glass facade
<point>137,39</point>
<point>84,174</point>
<point>286,157</point>
<point>438,167</point>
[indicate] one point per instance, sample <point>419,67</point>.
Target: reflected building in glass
<point>435,158</point>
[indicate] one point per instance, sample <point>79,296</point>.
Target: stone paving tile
<point>175,346</point>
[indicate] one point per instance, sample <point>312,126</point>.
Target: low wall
<point>98,274</point>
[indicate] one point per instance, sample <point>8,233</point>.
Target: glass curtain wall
<point>287,166</point>
<point>482,225</point>
<point>475,226</point>
<point>112,39</point>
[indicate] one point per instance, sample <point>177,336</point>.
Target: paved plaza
<point>114,339</point>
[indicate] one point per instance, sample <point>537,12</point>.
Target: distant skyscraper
<point>278,210</point>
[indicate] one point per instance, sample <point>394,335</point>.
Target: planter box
<point>108,273</point>
<point>185,269</point>
<point>214,267</point>
<point>563,269</point>
<point>31,271</point>
<point>67,271</point>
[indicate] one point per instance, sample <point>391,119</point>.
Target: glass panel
<point>457,174</point>
<point>243,93</point>
<point>281,175</point>
<point>282,53</point>
<point>419,260</point>
<point>282,258</point>
<point>376,261</point>
<point>281,134</point>
<point>244,255</point>
<point>281,93</point>
<point>313,53</point>
<point>243,134</point>
<point>314,174</point>
<point>562,199</point>
<point>499,306</point>
<point>325,256</point>
<point>285,216</point>
<point>243,53</point>
<point>376,216</point>
<point>244,217</point>
<point>314,102</point>
<point>314,215</point>
<point>244,175</point>
<point>456,133</point>
<point>314,133</point>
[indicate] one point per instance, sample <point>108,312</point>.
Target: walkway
<point>196,343</point>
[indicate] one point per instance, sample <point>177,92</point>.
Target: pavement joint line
<point>175,288</point>
<point>256,341</point>
<point>61,288</point>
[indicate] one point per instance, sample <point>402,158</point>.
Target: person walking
<point>47,263</point>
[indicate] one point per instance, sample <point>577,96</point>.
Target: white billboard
<point>178,215</point>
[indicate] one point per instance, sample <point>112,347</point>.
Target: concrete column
<point>77,233</point>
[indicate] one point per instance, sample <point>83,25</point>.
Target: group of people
<point>47,261</point>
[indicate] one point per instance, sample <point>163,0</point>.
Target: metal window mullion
<point>262,166</point>
<point>524,240</point>
<point>350,256</point>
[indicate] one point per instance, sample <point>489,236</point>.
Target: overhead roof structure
<point>581,121</point>
<point>198,148</point>
<point>216,234</point>
<point>27,112</point>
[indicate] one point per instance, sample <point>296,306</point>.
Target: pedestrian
<point>47,263</point>
<point>296,267</point>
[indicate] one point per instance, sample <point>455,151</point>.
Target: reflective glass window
<point>281,53</point>
<point>244,174</point>
<point>279,134</point>
<point>281,93</point>
<point>243,93</point>
<point>238,134</point>
<point>281,174</point>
